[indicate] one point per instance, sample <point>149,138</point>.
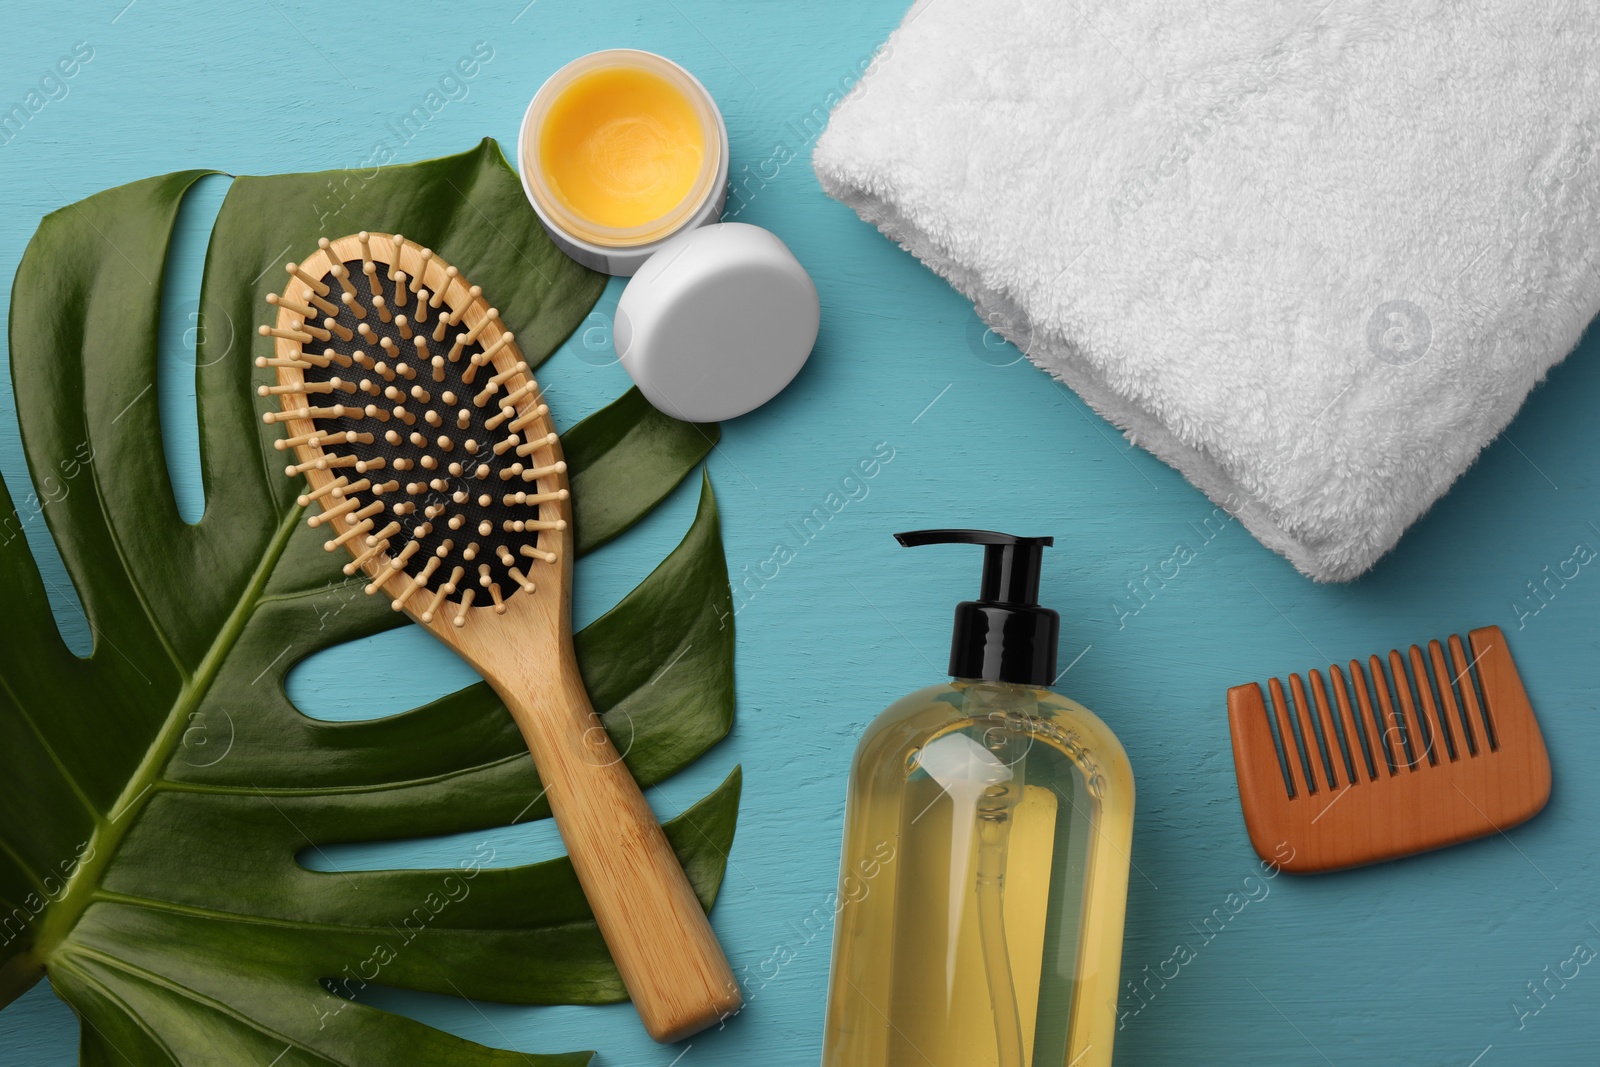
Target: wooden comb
<point>432,455</point>
<point>1409,755</point>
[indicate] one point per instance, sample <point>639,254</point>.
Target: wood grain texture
<point>1449,789</point>
<point>1418,962</point>
<point>659,936</point>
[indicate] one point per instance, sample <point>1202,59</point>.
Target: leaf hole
<point>182,327</point>
<point>375,676</point>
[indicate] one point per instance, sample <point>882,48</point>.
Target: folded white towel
<point>1311,254</point>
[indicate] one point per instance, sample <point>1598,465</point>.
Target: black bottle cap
<point>1004,635</point>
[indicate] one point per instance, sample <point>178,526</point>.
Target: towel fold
<point>1313,255</point>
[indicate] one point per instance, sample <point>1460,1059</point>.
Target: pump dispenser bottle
<point>984,876</point>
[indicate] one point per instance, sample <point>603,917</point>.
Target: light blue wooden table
<point>1422,962</point>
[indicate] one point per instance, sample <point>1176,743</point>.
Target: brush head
<point>421,430</point>
<point>1388,758</point>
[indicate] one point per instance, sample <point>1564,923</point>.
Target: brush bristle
<point>411,396</point>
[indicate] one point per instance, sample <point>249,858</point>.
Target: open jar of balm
<point>619,151</point>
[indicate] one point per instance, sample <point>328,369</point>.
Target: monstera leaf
<point>156,884</point>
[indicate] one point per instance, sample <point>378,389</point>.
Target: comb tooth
<point>403,324</point>
<point>423,259</point>
<point>1431,709</point>
<point>317,285</point>
<point>367,556</point>
<point>421,395</point>
<point>541,524</point>
<point>438,598</point>
<point>506,375</point>
<point>321,303</point>
<point>414,583</point>
<point>350,301</point>
<point>303,310</point>
<point>1451,709</point>
<point>1337,745</point>
<point>470,553</point>
<point>1394,714</point>
<point>364,239</point>
<point>1469,691</point>
<point>466,602</point>
<point>335,487</point>
<point>522,580</point>
<point>374,508</point>
<point>499,601</point>
<point>1310,737</point>
<point>492,315</point>
<point>420,312</point>
<point>559,467</point>
<point>1293,765</point>
<point>411,549</point>
<point>336,357</point>
<point>332,324</point>
<point>1254,750</point>
<point>538,553</point>
<point>315,331</point>
<point>1417,727</point>
<point>300,364</point>
<point>1385,743</point>
<point>287,335</point>
<point>338,411</point>
<point>405,594</point>
<point>384,534</point>
<point>1512,727</point>
<point>370,270</point>
<point>342,274</point>
<point>529,417</point>
<point>400,289</point>
<point>540,498</point>
<point>399,250</point>
<point>536,443</point>
<point>349,535</point>
<point>438,294</point>
<point>520,393</point>
<point>486,357</point>
<point>1355,728</point>
<point>329,514</point>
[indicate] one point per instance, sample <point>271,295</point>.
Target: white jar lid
<point>717,322</point>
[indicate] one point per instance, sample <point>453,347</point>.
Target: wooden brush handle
<point>648,914</point>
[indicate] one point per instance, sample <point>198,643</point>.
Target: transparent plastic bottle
<point>984,874</point>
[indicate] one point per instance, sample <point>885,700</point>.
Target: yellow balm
<point>622,146</point>
<point>621,150</point>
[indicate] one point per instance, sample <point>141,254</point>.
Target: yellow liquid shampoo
<point>997,819</point>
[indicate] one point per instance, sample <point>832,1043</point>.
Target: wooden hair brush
<point>429,448</point>
<point>1425,753</point>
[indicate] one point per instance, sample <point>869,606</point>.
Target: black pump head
<point>1004,635</point>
